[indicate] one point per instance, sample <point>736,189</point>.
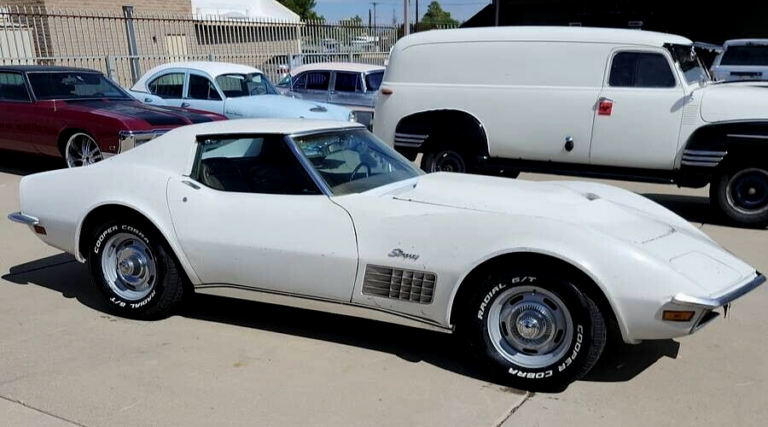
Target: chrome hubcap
<point>82,150</point>
<point>449,161</point>
<point>129,266</point>
<point>530,326</point>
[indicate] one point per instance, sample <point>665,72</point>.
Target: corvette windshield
<point>354,161</point>
<point>237,85</point>
<point>74,85</point>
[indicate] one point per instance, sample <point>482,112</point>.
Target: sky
<point>334,10</point>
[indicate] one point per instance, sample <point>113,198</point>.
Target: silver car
<point>352,85</point>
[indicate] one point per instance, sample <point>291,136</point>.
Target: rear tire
<point>741,193</point>
<point>534,331</point>
<point>134,270</point>
<point>443,158</point>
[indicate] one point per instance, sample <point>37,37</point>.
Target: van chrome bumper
<point>23,218</point>
<point>712,303</point>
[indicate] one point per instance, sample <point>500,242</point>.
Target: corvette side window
<point>641,69</point>
<point>202,88</point>
<point>170,86</point>
<point>262,165</point>
<point>12,87</point>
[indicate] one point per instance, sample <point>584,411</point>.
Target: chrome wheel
<point>448,161</point>
<point>82,150</point>
<point>129,266</point>
<point>530,327</point>
<point>747,191</point>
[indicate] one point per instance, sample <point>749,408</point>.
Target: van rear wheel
<point>741,192</point>
<point>445,159</point>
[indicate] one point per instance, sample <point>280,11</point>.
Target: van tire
<point>443,158</point>
<point>741,193</point>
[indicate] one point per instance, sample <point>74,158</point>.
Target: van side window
<point>641,69</point>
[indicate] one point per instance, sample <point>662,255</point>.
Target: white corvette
<point>323,214</point>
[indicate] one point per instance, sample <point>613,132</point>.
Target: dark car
<point>78,114</point>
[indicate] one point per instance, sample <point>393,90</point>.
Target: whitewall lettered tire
<point>533,330</point>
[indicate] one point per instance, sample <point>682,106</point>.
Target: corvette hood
<point>541,199</point>
<point>735,101</point>
<point>279,106</point>
<point>154,116</point>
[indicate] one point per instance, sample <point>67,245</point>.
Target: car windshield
<point>237,85</point>
<point>752,54</point>
<point>353,161</point>
<point>690,64</point>
<point>74,85</point>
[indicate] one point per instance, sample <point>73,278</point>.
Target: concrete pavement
<point>65,361</point>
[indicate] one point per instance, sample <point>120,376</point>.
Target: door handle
<point>184,104</point>
<point>191,184</point>
<point>148,100</point>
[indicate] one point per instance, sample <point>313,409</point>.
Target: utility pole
<point>406,17</point>
<point>496,12</point>
<point>416,26</point>
<point>374,3</point>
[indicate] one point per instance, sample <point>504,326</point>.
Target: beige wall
<point>164,6</point>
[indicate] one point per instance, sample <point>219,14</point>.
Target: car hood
<point>553,200</point>
<point>734,101</point>
<point>279,106</point>
<point>608,211</point>
<point>155,116</point>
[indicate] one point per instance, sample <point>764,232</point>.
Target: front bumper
<point>706,306</point>
<point>23,219</point>
<point>132,139</point>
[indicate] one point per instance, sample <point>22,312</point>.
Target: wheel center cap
<point>126,267</point>
<point>752,191</point>
<point>529,327</point>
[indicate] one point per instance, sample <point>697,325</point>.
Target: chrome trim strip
<point>353,126</point>
<point>702,164</point>
<point>704,153</point>
<point>409,141</point>
<point>740,135</point>
<point>313,173</point>
<point>702,158</point>
<point>411,135</point>
<point>345,308</point>
<point>408,144</point>
<point>722,300</point>
<point>23,218</point>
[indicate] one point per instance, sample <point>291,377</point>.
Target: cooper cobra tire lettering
<point>576,349</point>
<point>101,238</point>
<point>530,375</point>
<point>135,232</point>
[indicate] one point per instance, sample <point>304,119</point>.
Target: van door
<point>639,111</point>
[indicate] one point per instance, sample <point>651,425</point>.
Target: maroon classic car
<point>78,114</point>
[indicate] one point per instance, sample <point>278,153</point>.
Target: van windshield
<point>692,67</point>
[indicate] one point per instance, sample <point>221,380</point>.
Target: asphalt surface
<point>65,361</point>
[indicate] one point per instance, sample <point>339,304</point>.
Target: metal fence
<point>124,43</point>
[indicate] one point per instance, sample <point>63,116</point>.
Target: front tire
<point>133,270</point>
<point>741,192</point>
<point>81,150</point>
<point>534,331</point>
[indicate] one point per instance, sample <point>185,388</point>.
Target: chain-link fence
<point>124,44</point>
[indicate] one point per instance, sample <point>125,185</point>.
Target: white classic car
<point>623,104</point>
<point>236,91</point>
<point>324,215</point>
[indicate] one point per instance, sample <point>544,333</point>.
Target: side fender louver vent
<point>395,283</point>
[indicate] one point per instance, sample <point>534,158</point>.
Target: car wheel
<point>134,271</point>
<point>445,160</point>
<point>742,194</point>
<point>82,150</point>
<point>535,331</point>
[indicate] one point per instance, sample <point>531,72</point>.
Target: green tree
<point>355,21</point>
<point>435,16</point>
<point>304,8</point>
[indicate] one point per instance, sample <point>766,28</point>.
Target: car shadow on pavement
<point>63,274</point>
<point>26,164</point>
